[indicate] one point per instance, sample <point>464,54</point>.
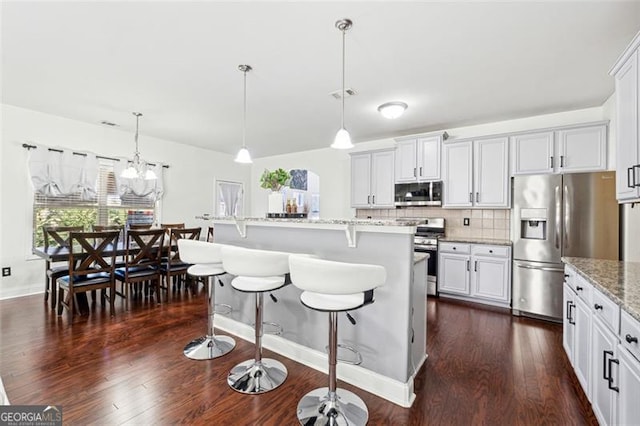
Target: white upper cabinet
<point>532,153</point>
<point>491,172</point>
<point>564,150</point>
<point>582,149</point>
<point>458,175</point>
<point>476,173</point>
<point>372,179</point>
<point>627,77</point>
<point>418,160</point>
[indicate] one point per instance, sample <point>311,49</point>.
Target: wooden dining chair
<point>140,226</point>
<point>173,268</point>
<point>56,238</point>
<point>210,234</point>
<point>92,259</point>
<point>142,262</point>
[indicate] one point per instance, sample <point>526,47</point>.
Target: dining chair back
<point>55,237</point>
<point>91,267</point>
<point>139,226</point>
<point>173,266</point>
<point>144,250</point>
<point>210,234</point>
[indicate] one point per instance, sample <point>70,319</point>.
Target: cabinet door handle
<point>471,197</point>
<point>605,376</point>
<point>570,313</point>
<point>578,288</point>
<point>414,172</point>
<point>631,339</point>
<point>477,197</point>
<point>420,170</point>
<point>467,265</point>
<point>637,166</point>
<point>475,266</point>
<point>597,307</point>
<point>562,161</point>
<point>610,379</point>
<point>373,199</point>
<point>368,199</point>
<point>551,158</point>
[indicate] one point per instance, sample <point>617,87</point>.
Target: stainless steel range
<point>426,241</point>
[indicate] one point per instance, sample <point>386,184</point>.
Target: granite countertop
<point>354,221</point>
<point>470,240</point>
<point>620,281</point>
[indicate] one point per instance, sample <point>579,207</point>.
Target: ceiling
<point>454,63</point>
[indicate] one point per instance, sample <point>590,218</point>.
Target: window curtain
<point>230,192</point>
<point>58,174</point>
<point>132,189</point>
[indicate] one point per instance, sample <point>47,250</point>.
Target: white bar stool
<point>257,271</point>
<point>333,287</point>
<point>207,262</point>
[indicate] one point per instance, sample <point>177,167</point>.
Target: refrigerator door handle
<point>541,268</point>
<point>558,212</point>
<point>567,215</point>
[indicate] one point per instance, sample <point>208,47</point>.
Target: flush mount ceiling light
<point>138,168</point>
<point>243,155</point>
<point>343,139</point>
<point>392,110</point>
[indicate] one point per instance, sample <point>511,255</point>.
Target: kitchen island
<point>390,334</point>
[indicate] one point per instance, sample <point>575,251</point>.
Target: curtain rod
<point>27,146</point>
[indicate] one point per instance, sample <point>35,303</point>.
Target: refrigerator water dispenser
<point>533,224</point>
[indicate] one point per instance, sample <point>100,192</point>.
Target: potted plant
<point>275,180</point>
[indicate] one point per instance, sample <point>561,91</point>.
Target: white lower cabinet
<point>603,343</point>
<point>477,272</point>
<point>628,388</point>
<point>603,389</point>
<point>576,337</point>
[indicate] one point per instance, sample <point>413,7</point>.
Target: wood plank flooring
<point>485,367</point>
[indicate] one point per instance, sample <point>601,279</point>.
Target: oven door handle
<point>425,247</point>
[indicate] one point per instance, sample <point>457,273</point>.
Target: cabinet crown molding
<point>635,44</point>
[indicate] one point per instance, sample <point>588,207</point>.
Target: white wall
<point>188,182</point>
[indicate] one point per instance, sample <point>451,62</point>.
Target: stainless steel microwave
<point>418,194</point>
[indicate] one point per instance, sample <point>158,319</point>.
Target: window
<point>107,208</point>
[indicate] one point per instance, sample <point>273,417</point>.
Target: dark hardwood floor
<point>485,367</point>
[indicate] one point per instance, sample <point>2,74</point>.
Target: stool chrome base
<point>209,347</point>
<point>317,409</point>
<point>255,377</point>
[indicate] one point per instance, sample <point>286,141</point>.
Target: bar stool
<point>207,263</point>
<point>333,287</point>
<point>257,271</point>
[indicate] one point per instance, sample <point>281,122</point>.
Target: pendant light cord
<point>343,56</point>
<point>137,123</point>
<point>244,112</point>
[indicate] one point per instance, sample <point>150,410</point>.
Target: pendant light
<point>138,168</point>
<point>243,155</point>
<point>343,139</point>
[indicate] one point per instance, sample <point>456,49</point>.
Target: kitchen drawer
<point>630,334</point>
<point>455,248</point>
<point>570,276</point>
<point>605,309</point>
<point>583,288</point>
<point>496,251</point>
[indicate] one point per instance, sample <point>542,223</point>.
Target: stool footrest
<point>222,309</point>
<point>349,355</point>
<point>270,328</point>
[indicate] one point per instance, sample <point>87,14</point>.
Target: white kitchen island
<point>388,335</point>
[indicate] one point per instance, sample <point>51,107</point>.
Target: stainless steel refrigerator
<point>554,216</point>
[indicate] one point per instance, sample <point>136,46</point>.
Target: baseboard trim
<point>392,390</point>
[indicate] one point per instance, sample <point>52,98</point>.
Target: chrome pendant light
<point>243,155</point>
<point>138,168</point>
<point>343,139</point>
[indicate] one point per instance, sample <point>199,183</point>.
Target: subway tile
<point>500,224</point>
<point>499,214</point>
<point>487,233</point>
<point>476,233</point>
<point>476,214</point>
<point>487,223</point>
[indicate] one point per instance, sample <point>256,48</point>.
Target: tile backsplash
<point>483,223</point>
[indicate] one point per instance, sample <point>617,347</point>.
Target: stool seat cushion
<point>335,278</point>
<point>330,302</point>
<point>199,252</point>
<point>257,284</point>
<point>246,262</point>
<point>205,270</point>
